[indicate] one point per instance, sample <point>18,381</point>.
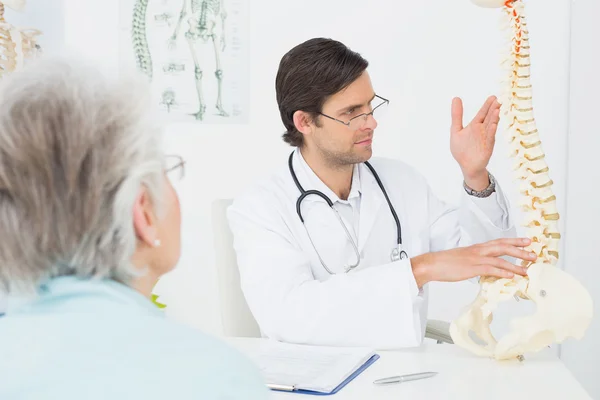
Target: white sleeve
<point>378,307</point>
<point>475,220</point>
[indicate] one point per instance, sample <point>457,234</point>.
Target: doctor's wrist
<point>421,270</point>
<point>478,181</point>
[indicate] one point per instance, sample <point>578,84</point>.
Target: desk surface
<point>461,376</point>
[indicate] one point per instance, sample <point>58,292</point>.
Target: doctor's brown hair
<point>308,75</point>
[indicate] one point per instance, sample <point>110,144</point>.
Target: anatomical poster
<point>194,52</point>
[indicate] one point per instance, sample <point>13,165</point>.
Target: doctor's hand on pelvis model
<point>469,262</point>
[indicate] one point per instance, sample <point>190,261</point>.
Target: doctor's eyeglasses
<point>175,167</point>
<point>356,122</point>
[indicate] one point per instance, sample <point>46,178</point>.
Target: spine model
<point>564,308</point>
<point>17,45</point>
<point>537,199</point>
<point>8,56</point>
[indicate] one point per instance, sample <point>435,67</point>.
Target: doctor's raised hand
<point>472,145</point>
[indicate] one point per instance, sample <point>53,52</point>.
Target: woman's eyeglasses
<point>175,166</point>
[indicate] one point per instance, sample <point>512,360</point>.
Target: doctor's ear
<point>304,122</point>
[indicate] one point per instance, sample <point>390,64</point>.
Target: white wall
<point>583,215</point>
<point>421,54</point>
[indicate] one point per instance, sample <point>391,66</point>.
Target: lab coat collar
<point>363,184</point>
<point>310,181</point>
<point>371,200</point>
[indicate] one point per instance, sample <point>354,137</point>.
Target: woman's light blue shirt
<point>92,339</point>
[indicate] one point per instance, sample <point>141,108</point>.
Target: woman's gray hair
<point>76,148</point>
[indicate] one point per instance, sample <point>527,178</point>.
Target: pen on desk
<point>404,378</point>
<point>285,388</point>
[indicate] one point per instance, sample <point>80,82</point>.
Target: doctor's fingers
<point>488,270</point>
<point>484,110</point>
<point>501,249</point>
<point>492,264</point>
<point>492,115</point>
<point>517,242</point>
<point>491,126</point>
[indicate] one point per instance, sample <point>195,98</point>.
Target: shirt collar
<point>315,183</point>
<point>72,290</point>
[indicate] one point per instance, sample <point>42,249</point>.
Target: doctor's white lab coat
<point>378,304</point>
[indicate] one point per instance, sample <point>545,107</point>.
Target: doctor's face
<point>337,142</point>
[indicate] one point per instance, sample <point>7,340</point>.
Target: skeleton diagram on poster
<point>194,53</point>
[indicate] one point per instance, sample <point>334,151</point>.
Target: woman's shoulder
<point>209,362</point>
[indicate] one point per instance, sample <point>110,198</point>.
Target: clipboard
<point>293,389</point>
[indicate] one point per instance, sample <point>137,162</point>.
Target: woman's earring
<point>156,242</point>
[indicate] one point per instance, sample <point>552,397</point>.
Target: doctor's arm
<point>377,307</point>
<point>470,240</point>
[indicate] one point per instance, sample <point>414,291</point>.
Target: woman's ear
<point>144,220</point>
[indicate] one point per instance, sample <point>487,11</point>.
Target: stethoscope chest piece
<point>398,254</point>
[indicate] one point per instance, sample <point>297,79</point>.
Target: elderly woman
<point>88,222</point>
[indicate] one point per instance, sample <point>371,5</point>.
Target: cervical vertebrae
<point>564,307</point>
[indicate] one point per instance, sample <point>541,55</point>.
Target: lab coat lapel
<point>370,204</point>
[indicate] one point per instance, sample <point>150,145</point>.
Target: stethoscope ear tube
<point>396,219</point>
<point>306,194</point>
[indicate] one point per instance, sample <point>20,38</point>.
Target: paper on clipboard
<point>313,368</point>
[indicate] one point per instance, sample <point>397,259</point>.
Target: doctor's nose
<point>370,122</point>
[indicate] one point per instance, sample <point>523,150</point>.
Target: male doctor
<point>334,273</point>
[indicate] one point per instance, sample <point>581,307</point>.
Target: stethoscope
<point>397,252</point>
